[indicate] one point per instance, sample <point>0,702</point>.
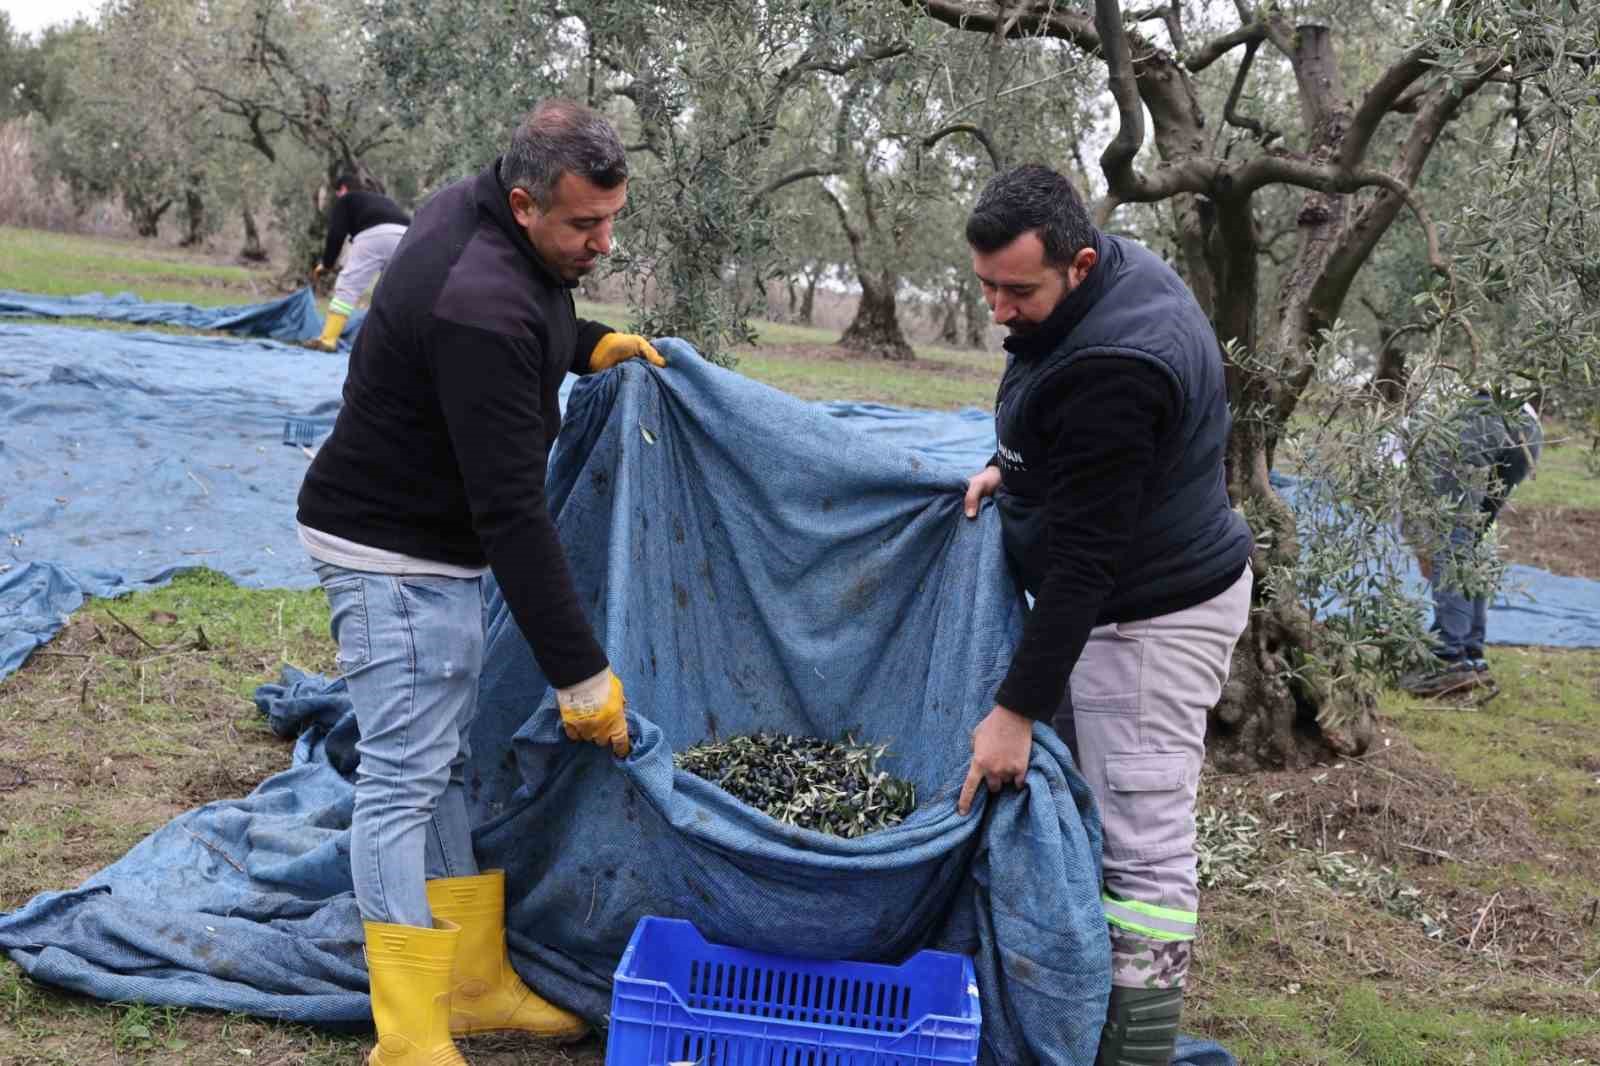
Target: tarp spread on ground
<point>752,565</point>
<point>292,318</point>
<point>1533,606</point>
<point>126,456</point>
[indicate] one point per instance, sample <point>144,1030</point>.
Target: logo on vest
<point>1012,458</point>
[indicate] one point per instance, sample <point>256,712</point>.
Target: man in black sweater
<point>1112,421</point>
<point>374,225</point>
<point>433,476</point>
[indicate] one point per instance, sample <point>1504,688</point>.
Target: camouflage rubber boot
<point>1141,1027</point>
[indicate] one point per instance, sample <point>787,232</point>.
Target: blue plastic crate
<point>679,999</point>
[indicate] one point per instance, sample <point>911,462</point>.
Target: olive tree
<point>1350,154</point>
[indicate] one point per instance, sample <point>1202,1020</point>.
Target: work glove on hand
<point>592,710</point>
<point>613,348</point>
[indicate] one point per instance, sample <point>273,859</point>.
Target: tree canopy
<point>1382,207</point>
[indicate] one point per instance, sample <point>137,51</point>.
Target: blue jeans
<point>1460,620</point>
<point>411,650</point>
<point>1460,617</point>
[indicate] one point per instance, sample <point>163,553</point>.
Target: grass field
<point>797,359</point>
<point>1435,902</point>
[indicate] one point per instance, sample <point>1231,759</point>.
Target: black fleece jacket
<point>450,411</point>
<point>353,212</point>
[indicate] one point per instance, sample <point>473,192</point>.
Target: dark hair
<point>562,137</point>
<point>1031,197</point>
<point>348,180</point>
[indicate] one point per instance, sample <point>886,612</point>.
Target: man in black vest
<point>434,476</point>
<point>1112,421</point>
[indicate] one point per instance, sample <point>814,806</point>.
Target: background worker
<point>1112,421</point>
<point>1490,453</point>
<point>374,224</point>
<point>434,475</point>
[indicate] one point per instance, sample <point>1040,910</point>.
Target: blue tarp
<point>1533,606</point>
<point>813,571</point>
<point>126,456</point>
<point>961,440</point>
<point>293,318</point>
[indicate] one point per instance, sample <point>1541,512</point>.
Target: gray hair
<point>562,137</point>
<point>1031,197</point>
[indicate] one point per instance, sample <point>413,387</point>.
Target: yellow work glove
<point>613,348</point>
<point>592,710</point>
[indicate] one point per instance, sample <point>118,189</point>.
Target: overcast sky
<point>31,16</point>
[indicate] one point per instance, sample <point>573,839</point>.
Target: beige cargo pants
<point>370,251</point>
<point>1136,723</point>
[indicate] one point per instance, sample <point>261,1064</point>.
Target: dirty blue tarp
<point>821,583</point>
<point>293,318</point>
<point>125,457</point>
<point>962,440</point>
<point>37,598</point>
<point>133,455</point>
<point>1532,607</point>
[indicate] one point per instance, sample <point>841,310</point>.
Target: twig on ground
<point>130,629</point>
<point>212,847</point>
<point>1472,941</point>
<point>1445,855</point>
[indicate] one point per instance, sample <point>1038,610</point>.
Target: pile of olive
<point>830,787</point>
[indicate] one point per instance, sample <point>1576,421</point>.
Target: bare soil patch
<point>1562,540</point>
<point>1497,895</point>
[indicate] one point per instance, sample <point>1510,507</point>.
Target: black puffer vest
<point>1189,543</point>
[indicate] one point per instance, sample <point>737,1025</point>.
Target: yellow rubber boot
<point>332,327</point>
<point>487,995</point>
<point>409,971</point>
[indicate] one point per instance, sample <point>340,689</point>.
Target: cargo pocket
<point>347,601</point>
<point>1149,805</point>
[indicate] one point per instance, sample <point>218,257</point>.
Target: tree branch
<point>1117,159</point>
<point>1174,21</point>
<point>869,55</point>
<point>978,132</point>
<point>851,234</point>
<point>1283,170</point>
<point>1407,102</point>
<point>1043,18</point>
<point>1230,113</point>
<point>1214,49</point>
<point>1379,100</point>
<point>790,178</point>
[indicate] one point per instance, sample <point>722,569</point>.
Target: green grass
<point>65,264</point>
<point>147,692</point>
<point>1358,1026</point>
<point>941,378</point>
<point>60,264</point>
<point>1565,476</point>
<point>140,710</point>
<point>1536,737</point>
